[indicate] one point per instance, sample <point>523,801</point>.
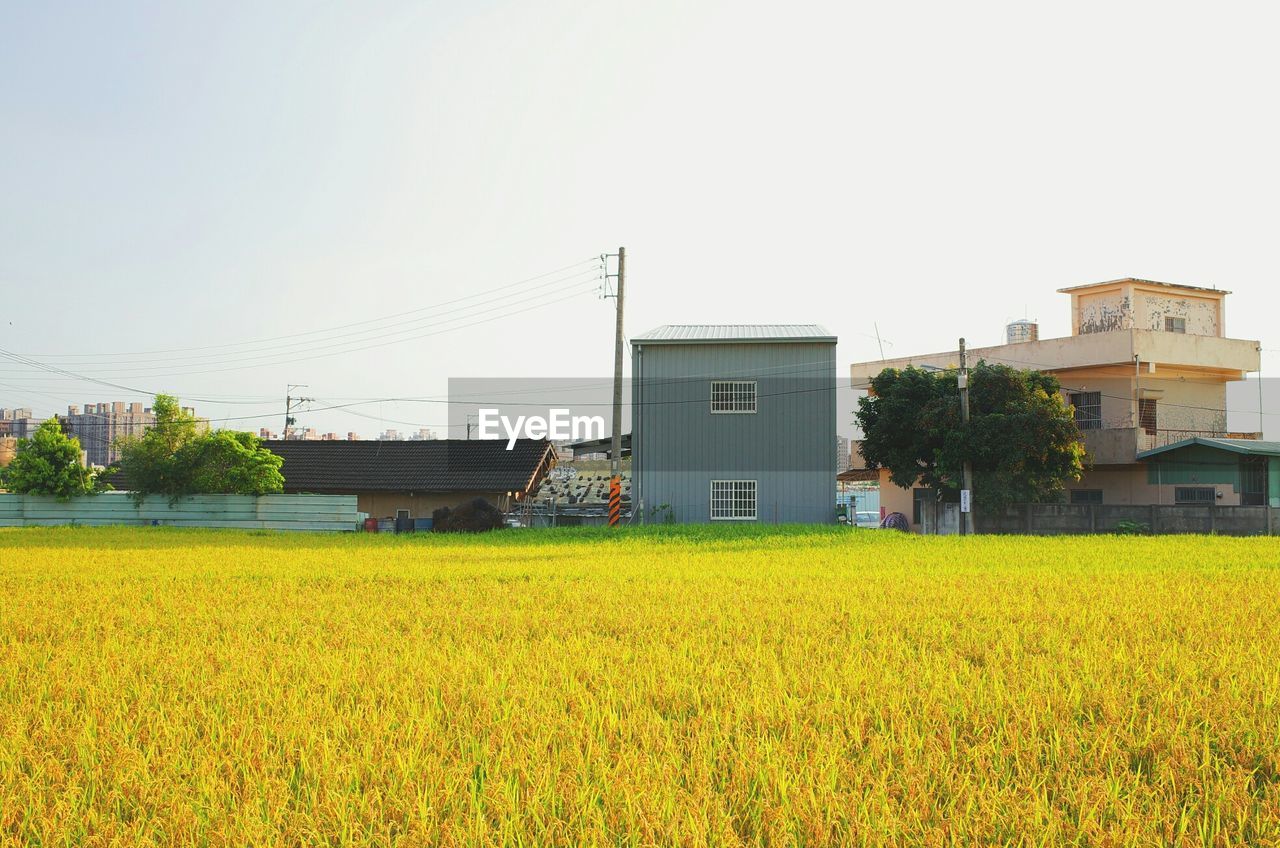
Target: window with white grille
<point>1088,409</point>
<point>729,396</point>
<point>733,500</point>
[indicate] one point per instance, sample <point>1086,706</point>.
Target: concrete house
<point>1146,367</point>
<point>734,423</point>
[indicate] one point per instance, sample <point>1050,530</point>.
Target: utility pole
<point>966,494</point>
<point>615,443</point>
<point>291,403</point>
<point>1262,424</point>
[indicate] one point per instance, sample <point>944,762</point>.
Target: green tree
<point>174,457</point>
<point>226,461</point>
<point>1021,438</point>
<point>150,462</point>
<point>49,463</point>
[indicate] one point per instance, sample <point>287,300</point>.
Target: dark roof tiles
<point>432,465</point>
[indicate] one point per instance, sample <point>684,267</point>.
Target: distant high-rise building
<point>843,457</point>
<point>100,426</point>
<point>18,423</point>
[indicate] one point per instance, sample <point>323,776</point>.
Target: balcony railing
<point>1162,437</point>
<point>1121,445</point>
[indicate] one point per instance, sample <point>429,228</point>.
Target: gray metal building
<point>734,423</point>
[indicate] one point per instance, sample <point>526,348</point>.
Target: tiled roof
<point>676,333</point>
<point>432,465</point>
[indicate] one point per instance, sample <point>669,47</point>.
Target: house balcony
<point>1121,445</point>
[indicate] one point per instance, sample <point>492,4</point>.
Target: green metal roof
<point>1252,447</point>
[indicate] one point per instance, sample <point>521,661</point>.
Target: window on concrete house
<point>1147,418</point>
<point>733,396</point>
<point>733,500</point>
<point>1175,325</point>
<point>1194,495</point>
<point>1086,496</point>
<point>1088,409</point>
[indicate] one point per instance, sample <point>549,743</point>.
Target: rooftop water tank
<point>1022,330</point>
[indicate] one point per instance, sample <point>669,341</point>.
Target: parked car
<point>867,519</point>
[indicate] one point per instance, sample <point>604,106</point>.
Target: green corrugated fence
<point>266,512</point>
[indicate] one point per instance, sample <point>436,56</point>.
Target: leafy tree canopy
<point>175,457</point>
<point>1021,437</point>
<point>49,463</point>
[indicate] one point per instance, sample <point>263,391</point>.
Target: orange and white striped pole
<point>615,501</point>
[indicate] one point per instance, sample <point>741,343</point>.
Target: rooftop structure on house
<point>734,422</point>
<point>412,478</point>
<point>1146,366</point>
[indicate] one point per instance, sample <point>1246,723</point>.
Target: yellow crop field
<point>648,687</point>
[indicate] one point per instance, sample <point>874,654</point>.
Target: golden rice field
<point>739,687</point>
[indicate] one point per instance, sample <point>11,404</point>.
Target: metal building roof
<point>1252,447</point>
<point>704,333</point>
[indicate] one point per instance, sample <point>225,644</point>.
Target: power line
<point>486,292</point>
<point>85,378</point>
<point>328,346</point>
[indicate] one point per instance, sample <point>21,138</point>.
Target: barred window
<point>1088,406</point>
<point>1086,496</point>
<point>1175,325</point>
<point>733,500</point>
<point>1195,495</point>
<point>1148,415</point>
<point>733,396</point>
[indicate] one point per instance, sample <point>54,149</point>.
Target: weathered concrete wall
<point>1103,312</point>
<point>1203,315</point>
<point>1187,404</point>
<point>1065,519</point>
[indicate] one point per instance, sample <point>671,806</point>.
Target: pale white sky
<point>190,175</point>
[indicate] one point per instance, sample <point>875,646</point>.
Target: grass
<point>667,686</point>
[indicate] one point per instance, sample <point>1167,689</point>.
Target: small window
<point>402,513</point>
<point>1086,496</point>
<point>1147,417</point>
<point>733,500</point>
<point>1175,325</point>
<point>1088,409</point>
<point>729,396</point>
<point>1194,495</point>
